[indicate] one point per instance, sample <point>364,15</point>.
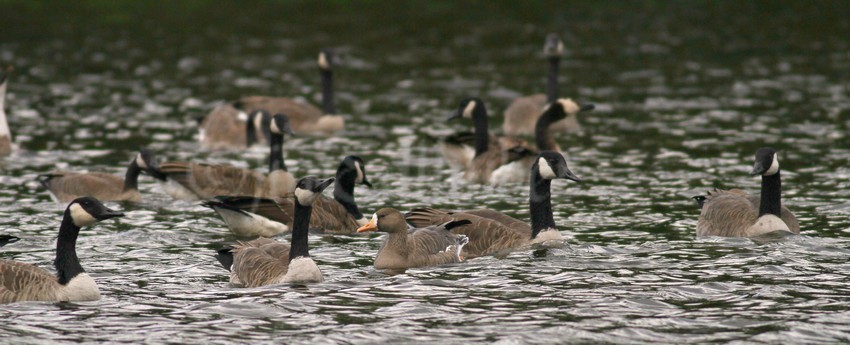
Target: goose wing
<point>278,209</point>
<point>24,282</point>
<point>259,262</point>
<point>330,216</point>
<point>726,213</point>
<point>486,235</point>
<point>208,181</point>
<point>222,129</point>
<point>299,113</point>
<point>434,245</point>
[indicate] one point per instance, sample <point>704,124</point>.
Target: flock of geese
<point>261,206</point>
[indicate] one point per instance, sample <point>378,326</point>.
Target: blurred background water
<point>685,93</point>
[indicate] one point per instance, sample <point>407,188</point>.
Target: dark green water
<point>685,93</point>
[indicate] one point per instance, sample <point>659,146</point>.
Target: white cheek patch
<point>323,61</point>
<point>80,216</point>
<point>359,172</point>
<point>774,167</point>
<point>374,219</point>
<point>545,170</point>
<point>467,112</point>
<point>258,121</point>
<point>141,161</point>
<point>242,116</point>
<point>570,107</point>
<point>304,197</point>
<point>273,127</point>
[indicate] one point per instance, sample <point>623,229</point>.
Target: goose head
<point>466,108</point>
<point>310,187</point>
<point>146,160</point>
<point>767,162</point>
<point>354,164</point>
<point>551,165</point>
<point>257,120</point>
<point>554,47</point>
<point>386,220</point>
<point>279,125</point>
<point>87,210</point>
<point>568,106</point>
<point>327,59</point>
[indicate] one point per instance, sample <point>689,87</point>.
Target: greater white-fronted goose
<point>25,282</point>
<point>426,246</point>
<point>6,146</point>
<point>492,232</point>
<point>734,213</point>
<point>265,261</point>
<point>521,115</point>
<point>65,186</point>
<point>193,181</point>
<point>249,216</point>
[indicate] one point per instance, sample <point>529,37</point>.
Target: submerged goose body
<point>192,181</point>
<point>304,117</point>
<point>6,146</point>
<point>250,216</point>
<point>491,232</point>
<point>25,282</point>
<point>734,213</point>
<point>65,186</point>
<point>427,246</point>
<point>265,261</point>
<point>521,115</point>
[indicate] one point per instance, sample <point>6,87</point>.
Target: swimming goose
<point>25,282</point>
<point>265,261</point>
<point>6,239</point>
<point>249,216</point>
<point>403,248</point>
<point>734,213</point>
<point>521,115</point>
<point>6,146</point>
<point>65,186</point>
<point>192,181</point>
<point>305,118</point>
<point>492,232</point>
<point>223,129</point>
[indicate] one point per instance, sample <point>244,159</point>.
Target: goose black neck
<point>250,132</point>
<point>344,191</point>
<point>67,264</point>
<point>482,136</point>
<point>327,91</point>
<point>131,178</point>
<point>300,227</point>
<point>540,203</point>
<point>542,136</point>
<point>552,85</point>
<point>276,156</point>
<point>771,195</point>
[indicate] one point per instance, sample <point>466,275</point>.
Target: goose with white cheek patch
<point>192,181</point>
<point>6,146</point>
<point>420,247</point>
<point>521,115</point>
<point>305,118</point>
<point>249,216</point>
<point>265,261</point>
<point>493,233</point>
<point>65,186</point>
<point>226,128</point>
<point>734,213</point>
<point>25,282</point>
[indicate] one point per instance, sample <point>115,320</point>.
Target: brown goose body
<point>427,246</point>
<point>66,186</point>
<point>193,181</point>
<point>222,129</point>
<point>304,117</point>
<point>259,262</point>
<point>523,112</point>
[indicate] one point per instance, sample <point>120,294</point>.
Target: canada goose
<point>403,248</point>
<point>492,232</point>
<point>223,129</point>
<point>305,118</point>
<point>6,239</point>
<point>25,282</point>
<point>6,146</point>
<point>249,216</point>
<point>521,115</point>
<point>65,186</point>
<point>734,213</point>
<point>192,181</point>
<point>265,261</point>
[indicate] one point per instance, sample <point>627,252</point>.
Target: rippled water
<point>685,93</point>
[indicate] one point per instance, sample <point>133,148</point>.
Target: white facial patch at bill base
<point>323,61</point>
<point>359,178</point>
<point>80,216</point>
<point>570,106</point>
<point>774,166</point>
<point>467,112</point>
<point>545,170</point>
<point>304,197</point>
